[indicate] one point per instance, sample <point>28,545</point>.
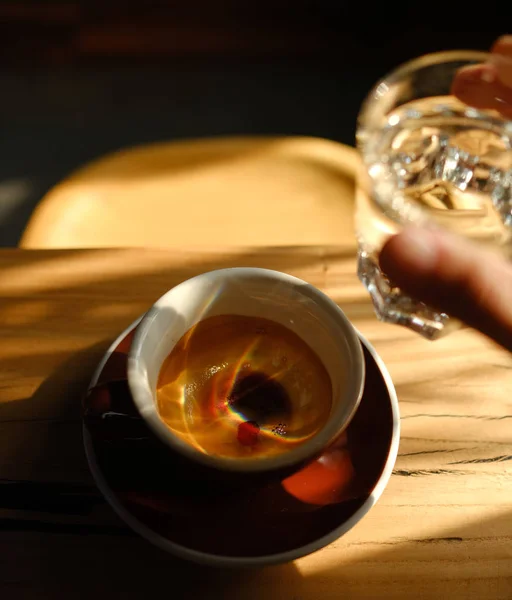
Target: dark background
<point>80,79</point>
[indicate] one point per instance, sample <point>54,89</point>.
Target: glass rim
<point>410,66</point>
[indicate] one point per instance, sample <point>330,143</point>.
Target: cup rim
<point>143,397</point>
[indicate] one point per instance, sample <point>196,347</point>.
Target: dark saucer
<point>166,501</point>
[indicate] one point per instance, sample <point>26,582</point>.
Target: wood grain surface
<point>443,528</point>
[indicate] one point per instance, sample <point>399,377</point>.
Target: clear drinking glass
<point>428,159</point>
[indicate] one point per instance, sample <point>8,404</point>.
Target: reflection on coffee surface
<point>243,387</point>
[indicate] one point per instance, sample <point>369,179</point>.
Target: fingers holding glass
<point>488,85</point>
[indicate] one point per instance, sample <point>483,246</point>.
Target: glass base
<point>393,306</point>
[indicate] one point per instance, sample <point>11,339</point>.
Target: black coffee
<point>240,386</point>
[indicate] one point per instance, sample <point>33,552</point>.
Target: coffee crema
<point>243,387</point>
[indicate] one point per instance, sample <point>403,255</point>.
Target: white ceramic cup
<point>289,301</point>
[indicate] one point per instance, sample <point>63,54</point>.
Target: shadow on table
<point>64,539</point>
<point>70,540</point>
<point>71,544</point>
<point>472,562</point>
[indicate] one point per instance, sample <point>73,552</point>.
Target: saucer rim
<point>217,560</point>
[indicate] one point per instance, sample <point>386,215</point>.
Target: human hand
<point>449,273</point>
<point>454,276</point>
<point>488,85</point>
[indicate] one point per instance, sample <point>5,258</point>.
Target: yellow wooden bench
<point>253,191</point>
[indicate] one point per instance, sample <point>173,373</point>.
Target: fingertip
<point>503,45</point>
<point>503,65</point>
<point>475,85</point>
<point>414,251</point>
<point>390,254</point>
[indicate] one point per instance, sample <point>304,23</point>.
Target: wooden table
<point>443,528</point>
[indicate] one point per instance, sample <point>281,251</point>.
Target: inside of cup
<point>277,297</point>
